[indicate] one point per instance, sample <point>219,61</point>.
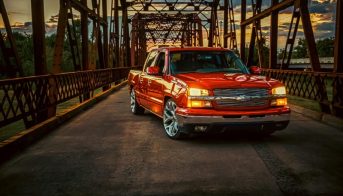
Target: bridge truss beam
<point>300,11</point>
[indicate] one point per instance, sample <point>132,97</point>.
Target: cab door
<point>155,85</point>
<point>142,87</point>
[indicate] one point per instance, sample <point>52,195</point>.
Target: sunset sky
<point>322,15</point>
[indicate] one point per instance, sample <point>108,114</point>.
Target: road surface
<point>108,151</point>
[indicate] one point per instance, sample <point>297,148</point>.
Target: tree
<point>326,47</point>
<point>300,50</point>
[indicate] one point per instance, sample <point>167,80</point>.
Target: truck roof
<point>172,49</point>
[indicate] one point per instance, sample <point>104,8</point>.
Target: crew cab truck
<point>198,90</point>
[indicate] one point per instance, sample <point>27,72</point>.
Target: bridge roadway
<point>108,151</point>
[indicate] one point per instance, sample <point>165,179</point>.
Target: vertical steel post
<point>46,108</point>
<point>200,33</point>
<point>313,54</point>
<point>84,42</point>
<point>309,36</point>
<point>274,20</point>
<point>126,42</point>
<point>59,42</point>
<point>105,29</point>
<point>13,48</point>
<point>243,28</point>
<point>38,34</point>
<point>338,59</point>
<point>338,62</point>
<point>116,32</point>
<point>84,34</point>
<point>226,21</point>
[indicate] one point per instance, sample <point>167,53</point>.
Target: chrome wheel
<point>135,107</point>
<point>169,119</point>
<point>133,101</point>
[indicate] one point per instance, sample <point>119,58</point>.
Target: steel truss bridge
<point>104,55</point>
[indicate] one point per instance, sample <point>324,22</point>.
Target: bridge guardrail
<point>323,87</point>
<point>35,98</point>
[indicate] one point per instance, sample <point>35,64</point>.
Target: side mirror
<point>255,70</point>
<point>154,70</point>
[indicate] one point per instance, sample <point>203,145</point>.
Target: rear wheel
<point>170,123</point>
<point>135,107</point>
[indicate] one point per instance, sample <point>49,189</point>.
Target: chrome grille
<point>259,97</point>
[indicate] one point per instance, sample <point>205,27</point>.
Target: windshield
<point>206,62</point>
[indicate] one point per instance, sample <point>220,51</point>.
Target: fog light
<point>279,102</point>
<point>199,104</point>
<point>200,128</point>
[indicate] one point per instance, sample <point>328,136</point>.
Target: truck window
<point>206,62</point>
<point>150,59</point>
<point>160,62</point>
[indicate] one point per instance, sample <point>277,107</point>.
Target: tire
<point>170,123</point>
<point>135,107</point>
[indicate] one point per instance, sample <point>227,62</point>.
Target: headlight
<point>193,102</point>
<point>197,92</point>
<point>279,91</point>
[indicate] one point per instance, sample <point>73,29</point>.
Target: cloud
<point>322,7</point>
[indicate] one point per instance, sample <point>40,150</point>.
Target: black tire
<point>170,122</point>
<point>135,107</point>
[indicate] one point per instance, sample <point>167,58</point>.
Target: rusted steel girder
<point>337,101</point>
<point>213,35</point>
<point>163,30</point>
<point>300,12</point>
<point>256,35</point>
<point>114,34</point>
<point>125,41</point>
<point>243,29</point>
<point>9,53</point>
<point>207,12</point>
<point>338,59</point>
<point>229,21</point>
<point>274,23</point>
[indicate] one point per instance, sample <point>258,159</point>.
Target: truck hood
<point>226,80</point>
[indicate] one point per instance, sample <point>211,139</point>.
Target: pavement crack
<point>288,182</point>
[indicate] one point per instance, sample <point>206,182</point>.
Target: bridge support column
<point>313,53</point>
<point>338,63</point>
<point>46,108</point>
<point>243,28</point>
<point>274,20</point>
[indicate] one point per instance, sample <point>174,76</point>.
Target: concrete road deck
<point>108,151</point>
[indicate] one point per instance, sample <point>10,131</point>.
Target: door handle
<point>149,82</point>
<point>141,80</point>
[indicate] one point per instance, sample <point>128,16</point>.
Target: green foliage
<point>300,51</point>
<point>24,45</point>
<point>67,61</point>
<point>325,47</point>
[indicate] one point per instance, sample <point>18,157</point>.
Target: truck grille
<point>259,97</point>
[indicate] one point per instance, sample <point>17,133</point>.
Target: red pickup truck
<point>198,90</point>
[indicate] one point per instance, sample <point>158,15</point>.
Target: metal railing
<point>34,99</point>
<point>324,87</point>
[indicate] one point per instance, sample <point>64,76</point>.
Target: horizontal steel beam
<point>91,14</point>
<point>277,7</point>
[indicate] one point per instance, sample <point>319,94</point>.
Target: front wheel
<point>170,122</point>
<point>135,107</point>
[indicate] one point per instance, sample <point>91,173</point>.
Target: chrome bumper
<point>184,119</point>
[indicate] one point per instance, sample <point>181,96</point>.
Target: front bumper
<point>274,122</point>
